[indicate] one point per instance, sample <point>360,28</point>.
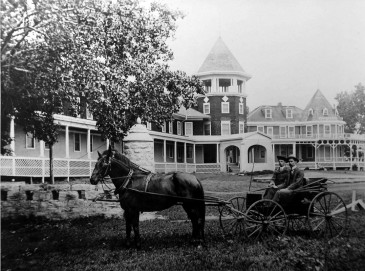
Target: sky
<point>290,47</point>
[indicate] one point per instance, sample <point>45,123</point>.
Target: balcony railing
<point>338,136</point>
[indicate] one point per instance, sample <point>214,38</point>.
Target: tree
<point>351,106</point>
<point>113,54</point>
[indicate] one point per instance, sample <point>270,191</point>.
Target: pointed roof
<point>318,103</point>
<point>220,59</point>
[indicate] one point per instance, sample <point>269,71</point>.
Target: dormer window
<point>239,86</point>
<point>289,113</point>
<point>325,112</point>
<point>310,112</point>
<point>268,113</point>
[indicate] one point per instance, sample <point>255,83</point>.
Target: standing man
<point>294,181</point>
<point>281,173</point>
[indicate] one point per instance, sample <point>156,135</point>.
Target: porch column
<point>107,142</point>
<point>184,161</point>
<point>175,151</point>
<point>334,154</point>
<point>67,142</point>
<point>217,154</point>
<point>315,155</point>
<point>294,151</point>
<point>350,156</point>
<point>88,141</point>
<point>12,136</point>
<point>164,151</point>
<point>194,160</point>
<point>41,148</point>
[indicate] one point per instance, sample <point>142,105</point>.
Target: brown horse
<point>140,190</point>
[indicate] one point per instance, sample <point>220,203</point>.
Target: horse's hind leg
<point>197,217</point>
<point>132,220</point>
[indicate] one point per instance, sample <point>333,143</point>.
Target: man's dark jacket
<point>295,179</point>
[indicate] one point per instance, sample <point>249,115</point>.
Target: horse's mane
<point>125,160</point>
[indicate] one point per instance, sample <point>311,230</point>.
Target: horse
<point>141,190</point>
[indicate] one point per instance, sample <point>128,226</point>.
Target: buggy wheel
<point>265,219</point>
<point>232,216</point>
<point>327,215</point>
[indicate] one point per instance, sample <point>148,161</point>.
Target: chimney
<point>280,104</point>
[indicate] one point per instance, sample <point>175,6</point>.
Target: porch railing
<point>186,167</point>
<point>39,167</point>
<point>339,136</point>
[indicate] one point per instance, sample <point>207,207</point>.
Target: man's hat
<point>282,158</point>
<point>292,157</point>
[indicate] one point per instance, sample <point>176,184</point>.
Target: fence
<point>39,167</point>
<point>185,167</point>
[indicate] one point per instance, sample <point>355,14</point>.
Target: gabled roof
<point>220,59</point>
<point>190,114</point>
<point>318,103</point>
<point>278,114</point>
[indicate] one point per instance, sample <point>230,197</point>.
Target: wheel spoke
<point>323,220</point>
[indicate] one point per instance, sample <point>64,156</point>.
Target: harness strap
<point>148,179</point>
<point>125,183</point>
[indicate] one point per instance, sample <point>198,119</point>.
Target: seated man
<point>281,173</point>
<point>294,181</point>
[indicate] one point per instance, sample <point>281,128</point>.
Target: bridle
<point>102,176</point>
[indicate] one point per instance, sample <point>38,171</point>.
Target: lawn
<point>97,243</point>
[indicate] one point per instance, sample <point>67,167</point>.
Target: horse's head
<point>102,167</point>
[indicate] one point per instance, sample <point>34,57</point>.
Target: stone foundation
<point>54,202</point>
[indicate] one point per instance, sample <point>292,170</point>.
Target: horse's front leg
<point>135,223</point>
<point>128,228</point>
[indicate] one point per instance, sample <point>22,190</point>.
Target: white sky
<point>290,47</point>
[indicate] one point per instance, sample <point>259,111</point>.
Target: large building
<point>216,135</point>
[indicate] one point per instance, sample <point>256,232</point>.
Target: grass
<point>97,243</point>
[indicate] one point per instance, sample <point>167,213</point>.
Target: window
<point>188,128</point>
<point>89,115</point>
<point>240,108</point>
<point>207,130</point>
<point>164,127</point>
<point>91,143</point>
<point>46,146</point>
<point>309,129</point>
<point>289,113</point>
<point>241,128</point>
<point>260,129</point>
<point>224,85</point>
<point>225,107</point>
<point>291,131</point>
<point>225,127</point>
<point>207,85</point>
<point>239,86</point>
<point>310,112</point>
<point>206,108</point>
<point>270,131</point>
<point>282,131</point>
<point>189,151</point>
<point>29,141</point>
<point>309,152</point>
<point>268,113</point>
<point>327,129</point>
<point>170,127</point>
<point>179,153</point>
<point>170,150</point>
<point>179,128</point>
<point>77,142</point>
<point>149,126</point>
<point>325,112</point>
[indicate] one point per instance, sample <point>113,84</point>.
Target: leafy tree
<point>351,106</point>
<point>113,54</point>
